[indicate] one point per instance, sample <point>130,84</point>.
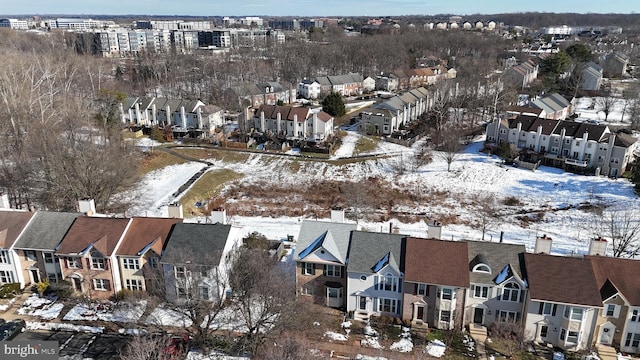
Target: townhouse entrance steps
<point>606,352</point>
<point>479,335</point>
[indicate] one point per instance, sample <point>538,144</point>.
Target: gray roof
<point>323,80</point>
<point>202,244</point>
<point>497,257</point>
<point>369,248</point>
<point>46,230</point>
<point>551,103</point>
<point>339,233</point>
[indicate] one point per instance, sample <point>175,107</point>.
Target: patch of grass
<point>157,160</point>
<point>217,154</point>
<point>365,145</point>
<point>207,187</point>
<point>294,167</point>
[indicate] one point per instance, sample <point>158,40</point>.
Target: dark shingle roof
<point>144,231</point>
<point>560,279</point>
<point>11,225</point>
<point>496,256</point>
<point>202,244</point>
<point>623,274</point>
<point>437,262</point>
<point>46,230</point>
<point>102,233</point>
<point>368,248</point>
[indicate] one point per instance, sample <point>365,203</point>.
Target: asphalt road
<point>84,345</point>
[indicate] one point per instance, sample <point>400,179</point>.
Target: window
<point>6,277</point>
<point>387,282</point>
<point>482,268</point>
<point>507,316</point>
<point>204,292</point>
<point>610,311</point>
<point>388,305</point>
<point>567,141</point>
<point>446,294</point>
<point>53,278</point>
<point>101,284</point>
<point>153,262</point>
<point>634,315</point>
<point>445,315</point>
<point>633,340</point>
<point>573,313</point>
<point>503,131</point>
<point>131,264</point>
<point>307,289</point>
<point>73,263</point>
<point>577,143</point>
<point>547,309</point>
<point>133,284</point>
<point>48,258</point>
<point>481,292</point>
<point>180,272</point>
<point>334,293</point>
<point>511,292</point>
<point>572,337</point>
<point>4,257</point>
<point>332,270</point>
<point>97,263</point>
<point>30,255</point>
<point>362,303</point>
<point>554,149</point>
<point>421,289</point>
<point>308,269</point>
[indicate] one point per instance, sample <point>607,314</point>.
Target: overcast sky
<point>309,7</point>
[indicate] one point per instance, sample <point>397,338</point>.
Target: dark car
<point>10,330</point>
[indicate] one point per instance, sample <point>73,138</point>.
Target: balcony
<point>576,162</point>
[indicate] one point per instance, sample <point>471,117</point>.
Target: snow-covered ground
<point>473,175</point>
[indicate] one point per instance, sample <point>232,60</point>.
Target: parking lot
<point>82,345</point>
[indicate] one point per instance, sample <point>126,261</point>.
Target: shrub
<point>8,291</point>
<point>42,286</point>
<point>511,201</point>
<point>62,289</point>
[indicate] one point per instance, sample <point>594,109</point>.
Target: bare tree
<point>622,229</point>
<point>606,104</point>
<point>143,347</point>
<point>449,149</point>
<point>510,333</point>
<point>488,213</point>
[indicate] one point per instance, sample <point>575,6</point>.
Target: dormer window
<point>482,268</point>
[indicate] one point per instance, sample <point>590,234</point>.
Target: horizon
<point>312,8</point>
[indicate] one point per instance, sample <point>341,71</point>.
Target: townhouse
<point>293,123</point>
<point>571,145</point>
<point>35,249</point>
<point>12,225</point>
<point>309,89</point>
<point>196,259</point>
<point>350,84</point>
<point>436,276</point>
<point>88,255</point>
<point>375,274</point>
<point>393,114</point>
<point>138,255</point>
<point>267,93</point>
<point>152,111</point>
<point>321,259</point>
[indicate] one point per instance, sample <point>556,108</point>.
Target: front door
<point>35,276</point>
<point>478,315</point>
<point>606,334</point>
<point>77,284</point>
<point>420,314</point>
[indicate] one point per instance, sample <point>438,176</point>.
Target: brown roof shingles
<point>437,262</point>
<point>11,225</point>
<point>561,279</point>
<point>142,232</point>
<point>624,274</point>
<point>103,233</point>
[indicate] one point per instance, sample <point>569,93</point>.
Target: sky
<point>309,7</point>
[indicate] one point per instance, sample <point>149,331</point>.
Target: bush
<point>62,289</point>
<point>8,291</point>
<point>511,201</point>
<point>43,286</point>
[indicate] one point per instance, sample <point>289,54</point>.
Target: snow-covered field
<point>473,175</point>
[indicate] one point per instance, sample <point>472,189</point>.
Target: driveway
<point>81,345</point>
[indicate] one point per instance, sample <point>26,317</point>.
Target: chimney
<point>543,244</point>
<point>87,206</point>
<point>219,216</point>
<point>598,246</point>
<point>337,215</point>
<point>175,211</point>
<point>434,230</point>
<point>4,201</point>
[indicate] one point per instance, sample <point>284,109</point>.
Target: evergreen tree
<point>334,105</point>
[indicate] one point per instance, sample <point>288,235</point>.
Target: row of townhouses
<point>569,302</point>
<point>100,256</point>
<point>264,93</point>
<point>293,123</point>
<point>576,146</point>
<point>393,114</point>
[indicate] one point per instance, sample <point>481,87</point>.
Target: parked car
<point>10,330</point>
